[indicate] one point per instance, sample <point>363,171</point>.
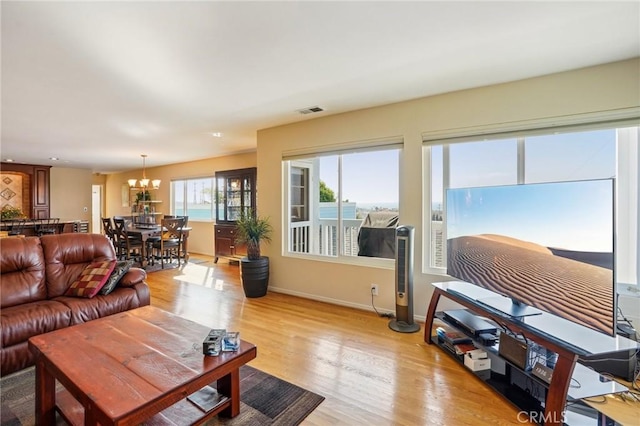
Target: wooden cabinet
<point>235,195</point>
<point>41,203</point>
<point>32,190</point>
<point>225,242</point>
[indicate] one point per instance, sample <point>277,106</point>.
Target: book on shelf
<point>207,398</point>
<point>453,336</point>
<point>448,346</point>
<point>463,348</point>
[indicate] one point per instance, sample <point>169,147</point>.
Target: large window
<point>331,195</point>
<point>193,198</point>
<point>568,156</point>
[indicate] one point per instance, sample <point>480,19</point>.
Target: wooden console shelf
<point>568,340</point>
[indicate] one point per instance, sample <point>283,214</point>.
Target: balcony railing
<point>322,238</point>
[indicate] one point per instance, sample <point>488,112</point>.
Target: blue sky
<point>372,177</point>
<point>367,177</point>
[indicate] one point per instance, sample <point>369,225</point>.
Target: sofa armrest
<point>133,277</point>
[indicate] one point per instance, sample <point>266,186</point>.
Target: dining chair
<point>171,242</point>
<point>184,237</point>
<point>15,226</point>
<point>109,232</point>
<point>47,226</point>
<point>186,218</point>
<point>127,245</point>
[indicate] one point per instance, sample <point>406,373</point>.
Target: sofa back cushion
<point>66,256</point>
<point>22,271</point>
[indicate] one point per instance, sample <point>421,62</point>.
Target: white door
<point>96,209</point>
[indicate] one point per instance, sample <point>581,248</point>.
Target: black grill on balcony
<point>377,235</point>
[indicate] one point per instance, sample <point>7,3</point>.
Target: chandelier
<point>144,182</point>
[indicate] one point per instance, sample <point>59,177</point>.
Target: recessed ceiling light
<point>9,160</point>
<point>53,158</point>
<point>216,134</point>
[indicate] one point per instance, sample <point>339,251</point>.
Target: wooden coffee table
<point>133,367</point>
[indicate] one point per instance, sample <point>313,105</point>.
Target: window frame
<point>627,176</point>
<point>294,159</point>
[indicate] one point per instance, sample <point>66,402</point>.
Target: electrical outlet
<point>374,289</point>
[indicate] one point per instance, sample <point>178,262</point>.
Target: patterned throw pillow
<point>118,272</point>
<point>91,280</point>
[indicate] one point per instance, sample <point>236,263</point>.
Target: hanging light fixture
<point>144,182</point>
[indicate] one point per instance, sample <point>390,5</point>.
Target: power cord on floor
<point>380,314</point>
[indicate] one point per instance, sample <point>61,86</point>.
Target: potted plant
<point>9,212</point>
<point>143,196</point>
<point>251,230</point>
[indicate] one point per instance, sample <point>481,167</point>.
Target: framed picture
<point>125,195</point>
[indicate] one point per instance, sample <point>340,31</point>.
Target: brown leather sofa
<point>34,275</point>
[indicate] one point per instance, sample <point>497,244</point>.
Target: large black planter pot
<point>254,275</point>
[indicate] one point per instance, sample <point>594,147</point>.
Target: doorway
<point>96,209</point>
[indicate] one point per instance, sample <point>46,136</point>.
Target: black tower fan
<point>404,282</point>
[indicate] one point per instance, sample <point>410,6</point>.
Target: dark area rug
<point>265,400</point>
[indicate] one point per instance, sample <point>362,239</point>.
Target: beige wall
<point>70,193</point>
<point>599,89</point>
<point>201,236</point>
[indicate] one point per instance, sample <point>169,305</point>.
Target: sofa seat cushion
<point>19,323</point>
<point>119,300</point>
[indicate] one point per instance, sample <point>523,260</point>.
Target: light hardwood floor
<point>369,374</point>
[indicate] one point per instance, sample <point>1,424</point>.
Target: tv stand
<point>568,340</point>
<point>510,306</point>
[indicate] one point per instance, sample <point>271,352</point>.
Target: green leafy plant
<point>252,230</point>
<point>10,212</point>
<point>143,196</point>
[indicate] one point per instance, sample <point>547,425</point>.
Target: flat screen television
<point>547,245</point>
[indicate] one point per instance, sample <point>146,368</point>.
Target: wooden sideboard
<point>225,243</point>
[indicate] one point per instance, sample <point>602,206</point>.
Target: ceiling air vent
<point>310,110</point>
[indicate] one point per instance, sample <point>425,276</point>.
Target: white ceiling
<point>99,83</point>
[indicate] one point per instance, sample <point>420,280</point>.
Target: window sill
<point>371,262</point>
<point>628,290</point>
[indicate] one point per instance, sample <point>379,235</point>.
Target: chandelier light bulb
<point>144,182</point>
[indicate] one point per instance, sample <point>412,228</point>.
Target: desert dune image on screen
<point>547,245</point>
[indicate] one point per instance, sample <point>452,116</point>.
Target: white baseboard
<point>338,302</point>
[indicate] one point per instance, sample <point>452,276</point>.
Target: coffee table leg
<point>229,385</point>
<point>45,395</point>
<point>89,419</point>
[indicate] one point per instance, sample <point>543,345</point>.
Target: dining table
<point>147,231</point>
